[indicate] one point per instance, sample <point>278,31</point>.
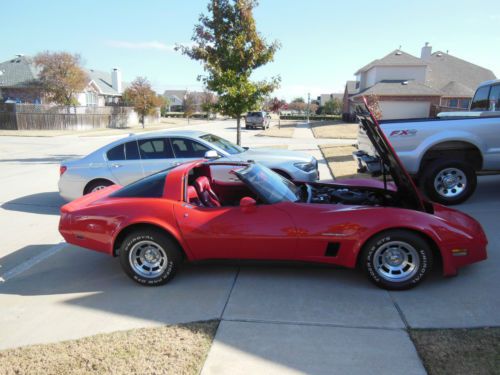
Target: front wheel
<point>449,181</point>
<point>396,259</point>
<point>149,257</point>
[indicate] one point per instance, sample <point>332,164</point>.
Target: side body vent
<point>332,249</point>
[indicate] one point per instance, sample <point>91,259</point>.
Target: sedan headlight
<point>306,167</point>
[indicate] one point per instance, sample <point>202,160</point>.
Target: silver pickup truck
<point>444,155</point>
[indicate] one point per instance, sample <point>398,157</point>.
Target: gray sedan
<point>129,159</point>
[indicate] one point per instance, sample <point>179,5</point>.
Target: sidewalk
<point>304,141</point>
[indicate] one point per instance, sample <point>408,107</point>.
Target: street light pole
<point>308,105</point>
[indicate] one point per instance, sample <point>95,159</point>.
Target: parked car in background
<point>134,157</point>
<point>259,119</point>
<point>444,155</point>
<point>239,210</point>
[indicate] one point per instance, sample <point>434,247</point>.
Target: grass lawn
<point>285,130</point>
<point>173,349</point>
<point>459,351</point>
<point>340,161</point>
<point>334,129</point>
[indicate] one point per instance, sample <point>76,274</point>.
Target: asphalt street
<point>275,317</point>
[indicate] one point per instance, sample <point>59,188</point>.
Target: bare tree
<point>142,97</point>
<point>61,76</point>
<point>189,105</point>
<point>374,106</point>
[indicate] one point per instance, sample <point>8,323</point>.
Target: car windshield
<point>223,144</point>
<point>268,185</point>
<point>257,114</point>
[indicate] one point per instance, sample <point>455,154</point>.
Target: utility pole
<point>308,105</point>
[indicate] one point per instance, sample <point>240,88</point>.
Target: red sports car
<point>210,209</point>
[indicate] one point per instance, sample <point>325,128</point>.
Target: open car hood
<point>390,160</point>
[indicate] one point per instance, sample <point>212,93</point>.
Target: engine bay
<point>350,196</point>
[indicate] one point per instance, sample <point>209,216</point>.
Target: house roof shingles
<point>444,69</point>
<point>399,88</point>
<point>455,89</point>
<point>18,72</point>
<point>395,58</point>
<point>104,81</point>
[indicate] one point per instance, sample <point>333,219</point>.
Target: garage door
<point>398,110</point>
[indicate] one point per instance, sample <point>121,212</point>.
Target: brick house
<point>176,99</point>
<point>412,87</point>
<point>19,84</point>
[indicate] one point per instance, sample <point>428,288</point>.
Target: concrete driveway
<point>275,317</point>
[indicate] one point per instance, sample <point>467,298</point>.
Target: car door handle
<point>116,165</point>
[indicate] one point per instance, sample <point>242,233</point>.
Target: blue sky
<point>323,41</point>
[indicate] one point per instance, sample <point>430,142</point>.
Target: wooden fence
<point>45,117</point>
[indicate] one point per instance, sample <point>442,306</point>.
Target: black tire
<point>247,127</point>
<point>96,185</point>
<point>458,171</point>
<point>416,257</point>
<point>142,239</point>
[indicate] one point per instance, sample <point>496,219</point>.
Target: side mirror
<point>248,204</point>
<point>211,154</point>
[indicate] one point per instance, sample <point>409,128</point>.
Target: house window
<point>464,103</point>
<point>91,98</point>
<point>453,103</point>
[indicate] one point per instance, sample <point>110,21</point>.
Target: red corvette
<point>225,210</point>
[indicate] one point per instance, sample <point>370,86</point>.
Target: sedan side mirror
<point>248,204</point>
<point>211,154</point>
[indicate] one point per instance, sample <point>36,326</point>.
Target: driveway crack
<point>230,292</point>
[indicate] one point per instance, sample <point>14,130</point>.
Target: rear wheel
<point>149,257</point>
<point>449,181</point>
<point>396,259</point>
<point>96,185</point>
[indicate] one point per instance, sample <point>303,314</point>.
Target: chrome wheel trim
<point>148,259</point>
<point>396,261</point>
<point>450,182</point>
<point>98,187</point>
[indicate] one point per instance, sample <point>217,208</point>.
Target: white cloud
<point>154,45</point>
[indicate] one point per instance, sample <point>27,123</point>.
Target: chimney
<point>116,79</point>
<point>426,51</point>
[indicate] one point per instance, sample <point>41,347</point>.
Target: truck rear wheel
<point>449,182</point>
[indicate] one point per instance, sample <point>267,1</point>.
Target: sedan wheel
<point>396,259</point>
<point>96,185</point>
<point>150,257</point>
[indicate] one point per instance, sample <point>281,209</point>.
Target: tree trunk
<point>238,131</point>
<point>142,121</point>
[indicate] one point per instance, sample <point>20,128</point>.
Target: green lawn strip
<point>171,349</point>
<point>458,351</point>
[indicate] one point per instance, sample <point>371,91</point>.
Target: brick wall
<point>25,95</point>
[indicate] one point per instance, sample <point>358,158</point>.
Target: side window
<point>155,148</point>
<point>116,153</point>
<point>480,101</point>
<point>495,98</point>
<point>187,148</point>
<point>131,151</point>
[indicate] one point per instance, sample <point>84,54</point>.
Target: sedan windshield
<point>223,144</point>
<point>268,185</point>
